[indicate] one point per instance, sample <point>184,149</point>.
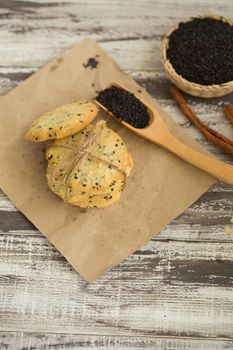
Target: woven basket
<point>187,86</point>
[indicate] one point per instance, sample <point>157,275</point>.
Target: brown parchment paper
<point>161,186</point>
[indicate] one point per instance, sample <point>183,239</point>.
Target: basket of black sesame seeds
<point>198,56</point>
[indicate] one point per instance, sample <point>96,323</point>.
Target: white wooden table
<point>174,293</point>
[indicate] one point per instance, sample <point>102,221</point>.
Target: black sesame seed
<point>124,105</point>
<point>50,157</point>
<point>201,51</point>
<point>50,128</point>
<point>50,135</point>
<point>92,63</point>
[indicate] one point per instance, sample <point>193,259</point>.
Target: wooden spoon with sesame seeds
<point>158,133</point>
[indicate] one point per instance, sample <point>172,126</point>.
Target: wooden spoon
<point>158,133</point>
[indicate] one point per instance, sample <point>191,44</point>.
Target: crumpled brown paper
<point>160,188</point>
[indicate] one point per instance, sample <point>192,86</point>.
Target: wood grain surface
<point>174,293</point>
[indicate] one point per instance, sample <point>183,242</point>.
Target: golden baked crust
<point>89,168</point>
<point>96,201</point>
<point>62,121</point>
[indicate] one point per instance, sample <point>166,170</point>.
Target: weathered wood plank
<point>204,220</point>
<point>166,288</point>
<point>40,341</point>
<point>109,22</point>
<point>60,24</point>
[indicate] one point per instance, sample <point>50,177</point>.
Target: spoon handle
<point>217,168</point>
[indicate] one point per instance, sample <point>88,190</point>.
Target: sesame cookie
<point>62,121</point>
<point>84,170</point>
<point>92,184</point>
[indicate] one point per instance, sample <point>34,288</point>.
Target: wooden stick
<point>228,109</point>
<point>215,137</point>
